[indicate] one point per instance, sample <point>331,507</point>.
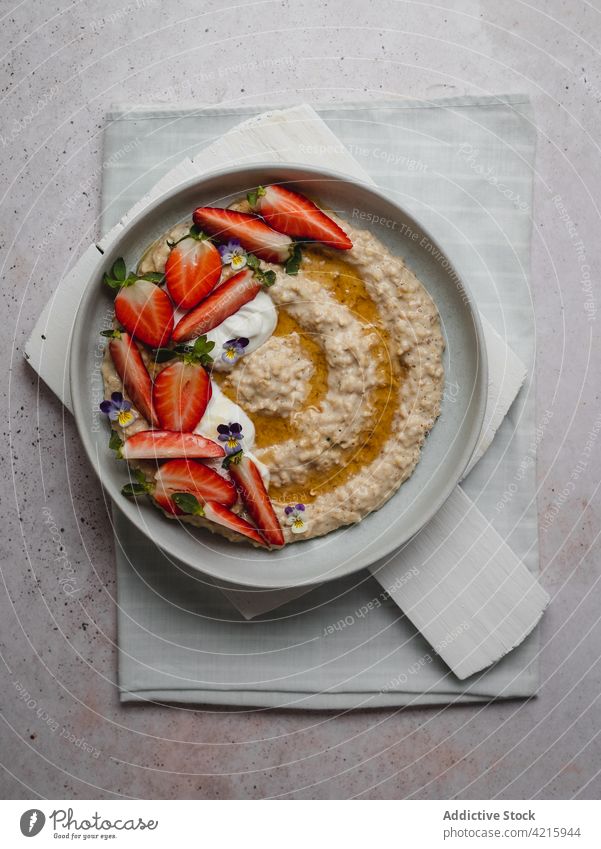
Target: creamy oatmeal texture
<point>344,392</point>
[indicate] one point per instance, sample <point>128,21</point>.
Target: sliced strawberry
<point>163,498</point>
<point>296,216</point>
<point>145,311</point>
<point>224,301</point>
<point>197,479</point>
<point>164,444</point>
<point>139,486</point>
<point>222,516</point>
<point>252,233</point>
<point>192,270</point>
<point>130,367</point>
<point>180,395</point>
<point>250,485</point>
<point>214,512</point>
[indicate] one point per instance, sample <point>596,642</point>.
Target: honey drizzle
<point>339,277</point>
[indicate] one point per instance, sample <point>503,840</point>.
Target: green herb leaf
<point>111,334</point>
<point>267,278</point>
<point>110,281</point>
<point>162,355</point>
<point>115,442</point>
<point>293,264</point>
<point>233,458</point>
<point>153,276</point>
<point>188,503</point>
<point>119,269</point>
<point>202,350</point>
<point>253,197</point>
<point>132,490</point>
<point>253,262</point>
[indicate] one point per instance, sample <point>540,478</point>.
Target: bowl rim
<point>480,387</point>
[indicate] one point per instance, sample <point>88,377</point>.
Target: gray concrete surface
<point>62,732</point>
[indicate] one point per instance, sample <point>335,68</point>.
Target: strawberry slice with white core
<point>146,312</point>
<point>194,477</point>
<point>180,395</point>
<point>192,270</point>
<point>217,513</point>
<point>249,484</point>
<point>141,306</point>
<point>297,216</point>
<point>164,444</point>
<point>182,391</point>
<point>224,301</point>
<point>130,367</point>
<point>251,231</point>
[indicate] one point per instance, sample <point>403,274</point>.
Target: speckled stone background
<point>63,732</point>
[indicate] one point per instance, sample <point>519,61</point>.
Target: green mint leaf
<point>153,276</point>
<point>119,269</point>
<point>111,334</point>
<point>111,282</point>
<point>233,458</point>
<point>132,490</point>
<point>115,442</point>
<point>162,355</point>
<point>200,352</point>
<point>267,278</point>
<point>293,264</point>
<point>252,262</point>
<point>188,503</point>
<point>253,197</point>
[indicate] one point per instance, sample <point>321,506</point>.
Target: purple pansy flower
<point>118,409</point>
<point>295,518</point>
<point>233,349</point>
<point>231,435</point>
<point>233,254</point>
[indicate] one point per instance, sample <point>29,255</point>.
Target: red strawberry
<point>217,513</point>
<point>140,486</point>
<point>182,391</point>
<point>163,444</point>
<point>222,516</point>
<point>141,306</point>
<point>180,396</point>
<point>252,233</point>
<point>163,498</point>
<point>250,485</point>
<point>224,301</point>
<point>130,367</point>
<point>192,270</point>
<point>296,216</point>
<point>196,478</point>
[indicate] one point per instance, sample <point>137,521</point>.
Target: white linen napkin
<point>469,594</point>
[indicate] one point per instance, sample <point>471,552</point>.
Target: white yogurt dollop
<point>220,410</point>
<point>255,321</point>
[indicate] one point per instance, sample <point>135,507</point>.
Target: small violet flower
<point>295,518</point>
<point>233,254</point>
<point>233,349</point>
<point>118,409</point>
<point>231,435</point>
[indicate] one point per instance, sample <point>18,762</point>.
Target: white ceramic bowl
<point>447,450</point>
